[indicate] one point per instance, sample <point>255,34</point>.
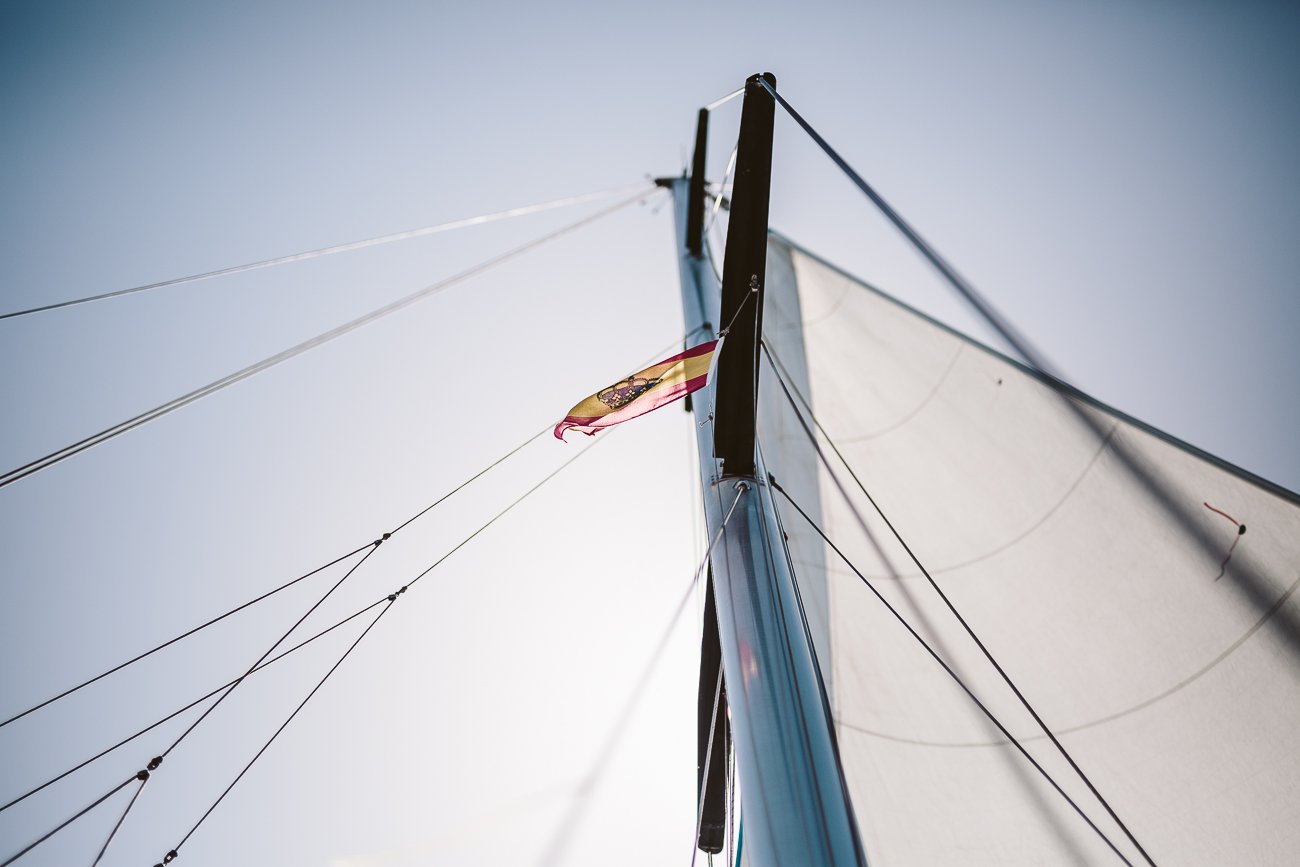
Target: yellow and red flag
<point>641,392</point>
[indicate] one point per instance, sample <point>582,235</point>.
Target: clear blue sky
<point>1118,178</point>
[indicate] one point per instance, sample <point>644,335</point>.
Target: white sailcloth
<point>1172,676</point>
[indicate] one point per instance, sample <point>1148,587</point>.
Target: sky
<point>1118,179</point>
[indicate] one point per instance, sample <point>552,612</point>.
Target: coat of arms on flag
<point>641,392</point>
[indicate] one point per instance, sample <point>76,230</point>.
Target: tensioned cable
<point>951,673</point>
<point>1251,582</point>
<point>803,423</point>
<point>967,291</point>
<point>262,663</point>
<point>1060,748</point>
<point>216,385</point>
<point>70,690</point>
<point>327,251</point>
<point>704,778</point>
<point>143,777</point>
<point>569,823</point>
<point>172,854</point>
<point>717,200</point>
<point>182,710</point>
<point>284,586</point>
<point>374,546</point>
<point>66,822</point>
<point>391,598</point>
<point>288,584</point>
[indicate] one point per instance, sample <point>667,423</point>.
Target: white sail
<point>1169,669</point>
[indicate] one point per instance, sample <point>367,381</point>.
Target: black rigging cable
<point>374,546</point>
<point>69,691</point>
<point>951,673</point>
<point>353,646</point>
<point>197,701</point>
<point>704,778</point>
<point>1060,748</point>
<point>182,710</point>
<point>391,598</point>
<point>326,251</point>
<point>284,586</point>
<point>143,777</point>
<point>262,663</point>
<point>66,822</point>
<point>122,427</point>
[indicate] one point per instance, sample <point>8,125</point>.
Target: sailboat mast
<point>795,805</point>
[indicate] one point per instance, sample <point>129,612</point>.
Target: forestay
<point>1172,677</point>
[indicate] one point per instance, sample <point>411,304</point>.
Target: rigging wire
<point>66,822</point>
<point>262,663</point>
<point>182,710</point>
<point>787,390</point>
<point>722,188</point>
<point>1004,328</point>
<point>723,100</point>
<point>143,777</point>
<point>70,690</point>
<point>327,251</point>
<point>353,646</point>
<point>399,528</point>
<point>122,427</point>
<point>391,598</point>
<point>1060,748</point>
<point>704,778</point>
<point>951,673</point>
<point>374,546</point>
<point>568,825</point>
<point>284,586</point>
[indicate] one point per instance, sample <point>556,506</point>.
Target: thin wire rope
<point>951,673</point>
<point>66,822</point>
<point>285,586</point>
<point>261,665</point>
<point>120,428</point>
<point>717,200</point>
<point>171,641</point>
<point>374,547</point>
<point>731,804</point>
<point>704,777</point>
<point>723,100</point>
<point>327,251</point>
<point>959,283</point>
<point>391,598</point>
<point>143,777</point>
<point>569,823</point>
<point>503,512</point>
<point>182,710</point>
<point>401,527</point>
<point>970,631</point>
<point>283,725</point>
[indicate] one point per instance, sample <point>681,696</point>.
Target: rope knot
<point>142,776</point>
<point>154,763</point>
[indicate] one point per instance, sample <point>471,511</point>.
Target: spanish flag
<point>641,392</point>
